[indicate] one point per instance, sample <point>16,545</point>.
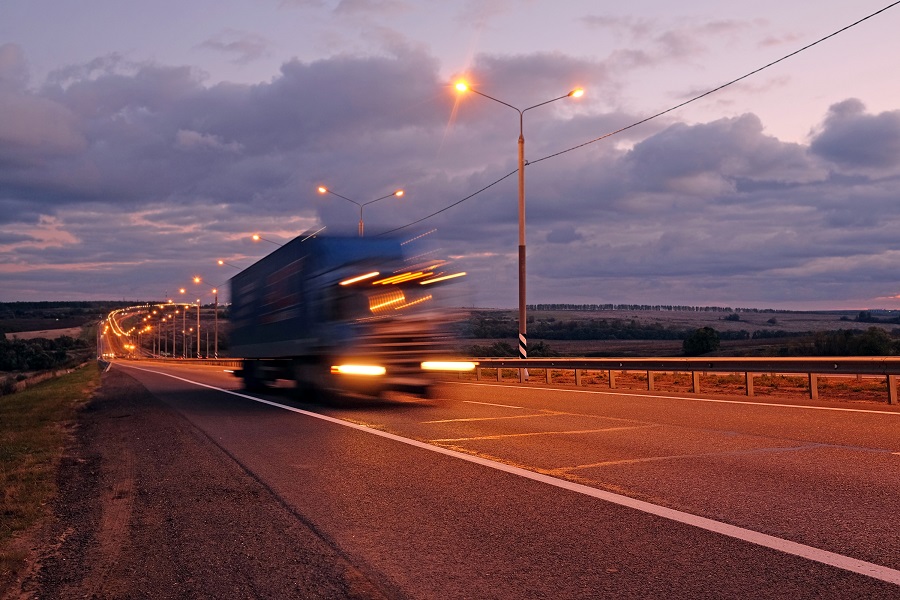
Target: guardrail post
<point>612,379</point>
<point>522,378</point>
<point>813,386</point>
<point>499,374</point>
<point>577,377</point>
<point>477,373</point>
<point>749,378</point>
<point>649,381</point>
<point>892,389</point>
<point>548,373</point>
<point>695,382</point>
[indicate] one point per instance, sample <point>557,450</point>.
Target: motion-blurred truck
<point>344,316</point>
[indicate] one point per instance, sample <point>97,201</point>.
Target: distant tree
<point>701,341</point>
<point>733,317</point>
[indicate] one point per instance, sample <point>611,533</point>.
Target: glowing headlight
<point>371,370</point>
<point>449,365</point>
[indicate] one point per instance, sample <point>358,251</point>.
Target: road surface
<point>492,491</point>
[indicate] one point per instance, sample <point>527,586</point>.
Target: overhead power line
<point>656,115</point>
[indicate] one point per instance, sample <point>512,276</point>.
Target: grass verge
<point>34,430</point>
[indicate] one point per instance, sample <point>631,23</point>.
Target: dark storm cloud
<point>146,173</point>
<point>852,139</point>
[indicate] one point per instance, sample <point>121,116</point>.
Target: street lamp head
<point>255,237</point>
<point>462,86</point>
<point>576,93</point>
<point>399,193</point>
<point>181,291</point>
<point>323,189</point>
<point>196,279</point>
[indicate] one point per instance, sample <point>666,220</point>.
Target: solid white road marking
<point>833,559</point>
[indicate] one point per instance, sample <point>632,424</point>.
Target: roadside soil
<point>149,507</point>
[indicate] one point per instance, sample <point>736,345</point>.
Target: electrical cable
<point>654,116</point>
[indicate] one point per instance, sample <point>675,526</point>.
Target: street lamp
<point>256,237</point>
<point>462,86</point>
<point>198,279</point>
<point>222,263</point>
<point>325,190</point>
<point>198,330</point>
<point>183,324</point>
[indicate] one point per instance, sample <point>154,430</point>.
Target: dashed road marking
<point>537,433</point>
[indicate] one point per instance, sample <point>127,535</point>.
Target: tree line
<point>39,354</point>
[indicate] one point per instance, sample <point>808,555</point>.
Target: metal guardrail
<point>217,362</point>
<point>812,367</point>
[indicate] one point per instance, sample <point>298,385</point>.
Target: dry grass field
<point>800,327</point>
<point>50,334</point>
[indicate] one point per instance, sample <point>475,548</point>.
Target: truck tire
<point>253,377</point>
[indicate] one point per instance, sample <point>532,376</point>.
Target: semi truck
<point>344,316</point>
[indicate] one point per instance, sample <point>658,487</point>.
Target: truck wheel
<point>252,375</point>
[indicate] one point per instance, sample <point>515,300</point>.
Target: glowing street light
<point>223,263</point>
<point>325,190</point>
<point>462,86</point>
<point>256,237</point>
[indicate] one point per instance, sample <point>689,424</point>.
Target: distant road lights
<point>325,190</point>
<point>462,86</point>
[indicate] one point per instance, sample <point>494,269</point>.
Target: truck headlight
<point>371,370</point>
<point>449,365</point>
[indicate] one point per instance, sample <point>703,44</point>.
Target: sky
<point>142,142</point>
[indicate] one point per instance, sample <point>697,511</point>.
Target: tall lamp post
<point>215,290</point>
<point>325,190</point>
<point>462,86</point>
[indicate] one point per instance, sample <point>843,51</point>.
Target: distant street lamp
<point>325,190</point>
<point>223,263</point>
<point>462,86</point>
<point>256,237</point>
<point>198,279</point>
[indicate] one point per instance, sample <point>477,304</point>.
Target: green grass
<point>33,435</point>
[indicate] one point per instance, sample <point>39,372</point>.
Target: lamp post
<point>325,190</point>
<point>461,86</point>
<point>184,352</point>
<point>198,279</point>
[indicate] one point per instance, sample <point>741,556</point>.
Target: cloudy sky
<point>141,142</point>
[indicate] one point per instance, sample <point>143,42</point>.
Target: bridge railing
<point>810,367</point>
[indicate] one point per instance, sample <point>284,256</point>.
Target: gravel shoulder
<point>149,507</point>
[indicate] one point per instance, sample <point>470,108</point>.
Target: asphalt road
<point>495,491</point>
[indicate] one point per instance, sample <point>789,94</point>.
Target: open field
<point>50,334</point>
<point>769,332</point>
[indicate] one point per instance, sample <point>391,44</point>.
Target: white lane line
<point>825,557</point>
<point>536,433</point>
<point>713,400</point>
<point>491,404</point>
<point>470,419</point>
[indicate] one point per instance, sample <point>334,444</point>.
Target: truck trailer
<point>345,316</point>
